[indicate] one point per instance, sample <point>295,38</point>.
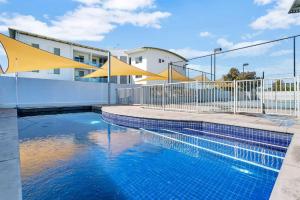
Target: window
<point>138,76</point>
<point>161,60</point>
<point>80,73</point>
<point>114,79</point>
<point>139,59</point>
<point>35,46</point>
<point>94,61</point>
<point>123,58</point>
<point>56,51</point>
<point>79,59</point>
<point>102,60</point>
<point>56,71</point>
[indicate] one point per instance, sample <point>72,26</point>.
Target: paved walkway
<point>10,181</point>
<point>287,185</point>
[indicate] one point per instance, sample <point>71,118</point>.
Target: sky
<point>188,27</point>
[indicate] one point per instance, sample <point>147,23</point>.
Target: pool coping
<point>10,178</point>
<point>287,185</point>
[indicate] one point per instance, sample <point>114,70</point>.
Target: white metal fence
<point>270,96</point>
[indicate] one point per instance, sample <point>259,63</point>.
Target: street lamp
<point>244,65</point>
<point>215,52</point>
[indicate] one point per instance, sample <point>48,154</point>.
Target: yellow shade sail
<point>23,57</point>
<point>119,68</point>
<point>201,78</point>
<point>176,76</point>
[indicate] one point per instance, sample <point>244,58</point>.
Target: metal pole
<point>168,72</point>
<point>171,74</point>
<point>234,96</point>
<point>214,65</point>
<point>211,66</point>
<point>294,56</point>
<point>17,95</point>
<point>108,78</point>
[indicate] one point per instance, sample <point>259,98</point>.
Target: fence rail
<point>269,96</point>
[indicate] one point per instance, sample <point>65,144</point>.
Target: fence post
<point>197,97</point>
<point>142,96</point>
<point>163,97</point>
<point>262,96</point>
<point>234,96</point>
<point>297,89</point>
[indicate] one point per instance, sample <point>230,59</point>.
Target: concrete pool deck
<point>287,185</point>
<point>10,180</point>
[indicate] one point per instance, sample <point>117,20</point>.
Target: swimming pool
<point>80,156</point>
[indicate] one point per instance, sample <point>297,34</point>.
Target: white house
<point>155,60</point>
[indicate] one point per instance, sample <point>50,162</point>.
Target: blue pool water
<point>79,156</point>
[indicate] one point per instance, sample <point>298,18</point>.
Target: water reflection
<point>115,141</point>
<point>40,154</point>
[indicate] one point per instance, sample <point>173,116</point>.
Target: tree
<point>247,76</point>
<point>233,74</point>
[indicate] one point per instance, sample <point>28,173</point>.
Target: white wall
<point>44,93</point>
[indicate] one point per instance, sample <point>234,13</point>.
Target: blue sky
<point>188,27</point>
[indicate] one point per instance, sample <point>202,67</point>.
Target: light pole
<point>215,52</point>
<point>244,65</point>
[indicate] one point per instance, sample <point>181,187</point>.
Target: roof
<point>295,7</point>
<point>158,49</point>
<point>12,34</point>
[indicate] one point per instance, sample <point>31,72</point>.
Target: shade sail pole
<point>17,95</point>
<point>16,78</point>
<point>108,77</point>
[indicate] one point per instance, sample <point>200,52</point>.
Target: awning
<point>164,76</point>
<point>23,57</point>
<point>118,68</point>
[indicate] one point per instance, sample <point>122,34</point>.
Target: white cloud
<point>3,1</point>
<point>205,34</point>
<point>120,4</point>
<point>277,17</point>
<point>249,36</point>
<point>252,51</point>
<point>128,5</point>
<point>282,52</point>
<point>89,2</point>
<point>189,52</point>
<point>88,22</point>
<point>262,2</point>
